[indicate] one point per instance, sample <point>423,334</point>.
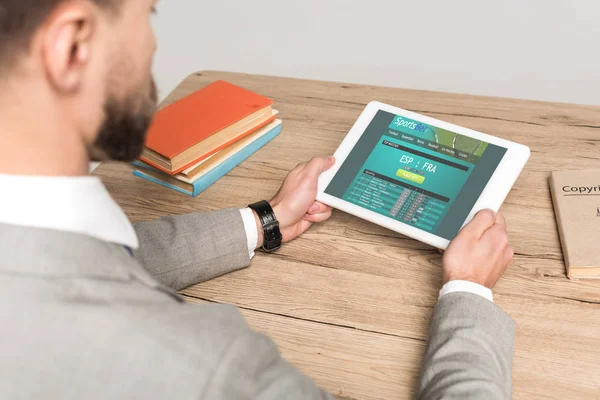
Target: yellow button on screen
<point>410,176</point>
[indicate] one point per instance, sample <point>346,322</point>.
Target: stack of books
<point>197,140</point>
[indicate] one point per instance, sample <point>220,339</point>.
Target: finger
<point>318,208</point>
<point>500,220</point>
<point>318,217</point>
<point>300,166</point>
<point>496,237</point>
<point>509,253</point>
<point>318,165</point>
<point>483,221</point>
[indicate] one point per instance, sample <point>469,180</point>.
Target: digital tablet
<point>419,176</point>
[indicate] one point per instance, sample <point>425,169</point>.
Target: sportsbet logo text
<point>412,125</point>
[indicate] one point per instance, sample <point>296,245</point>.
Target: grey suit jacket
<point>83,319</point>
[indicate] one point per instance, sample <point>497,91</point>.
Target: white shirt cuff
<point>467,287</point>
<point>251,230</point>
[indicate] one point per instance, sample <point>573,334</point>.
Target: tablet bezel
<point>492,197</point>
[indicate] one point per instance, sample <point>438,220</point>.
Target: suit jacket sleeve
<point>253,368</point>
<point>470,349</point>
<point>181,251</point>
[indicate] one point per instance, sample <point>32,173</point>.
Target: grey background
<point>534,49</point>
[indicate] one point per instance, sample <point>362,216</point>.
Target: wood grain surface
<point>350,302</point>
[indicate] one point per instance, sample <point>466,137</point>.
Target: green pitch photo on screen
<point>415,173</point>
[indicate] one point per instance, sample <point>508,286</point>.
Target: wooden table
<point>350,302</point>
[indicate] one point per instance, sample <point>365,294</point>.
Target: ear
<point>66,41</point>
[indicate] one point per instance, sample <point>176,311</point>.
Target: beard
<point>122,135</point>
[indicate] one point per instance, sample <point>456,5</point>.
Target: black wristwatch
<point>271,233</point>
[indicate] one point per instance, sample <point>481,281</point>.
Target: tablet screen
<point>415,173</point>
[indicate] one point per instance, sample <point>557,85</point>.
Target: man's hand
<point>480,253</point>
<point>295,204</point>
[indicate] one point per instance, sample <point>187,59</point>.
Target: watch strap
<point>272,237</point>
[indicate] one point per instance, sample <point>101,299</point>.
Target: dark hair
<point>19,19</point>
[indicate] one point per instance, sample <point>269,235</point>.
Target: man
<point>89,309</point>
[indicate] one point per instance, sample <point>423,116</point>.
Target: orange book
<point>201,124</point>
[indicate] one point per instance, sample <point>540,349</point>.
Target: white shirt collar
<point>72,204</point>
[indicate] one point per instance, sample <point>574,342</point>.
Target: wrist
<point>286,225</point>
<point>278,213</point>
<point>450,277</point>
<point>259,230</point>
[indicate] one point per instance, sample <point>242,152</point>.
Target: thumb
<point>318,165</point>
<point>482,221</point>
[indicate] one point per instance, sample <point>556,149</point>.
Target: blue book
<point>203,182</point>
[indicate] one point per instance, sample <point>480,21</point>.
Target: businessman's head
<point>83,66</point>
